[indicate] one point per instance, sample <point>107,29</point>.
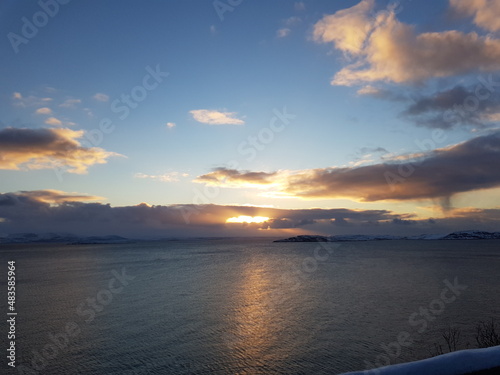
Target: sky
<point>249,118</point>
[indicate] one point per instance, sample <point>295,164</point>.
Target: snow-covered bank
<point>455,363</point>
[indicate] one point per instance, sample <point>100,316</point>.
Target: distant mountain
<point>65,238</point>
<point>462,235</point>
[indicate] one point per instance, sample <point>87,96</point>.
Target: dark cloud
<point>465,167</point>
<point>33,212</point>
<point>53,211</point>
<point>368,150</point>
<point>48,148</point>
<point>475,106</point>
<point>56,196</point>
<point>468,166</point>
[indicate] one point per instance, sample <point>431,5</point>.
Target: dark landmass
<point>462,235</point>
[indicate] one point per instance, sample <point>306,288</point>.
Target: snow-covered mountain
<point>462,235</point>
<point>472,235</point>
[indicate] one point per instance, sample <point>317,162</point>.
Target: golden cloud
<point>48,148</point>
<point>385,49</point>
<point>214,117</point>
<point>485,13</point>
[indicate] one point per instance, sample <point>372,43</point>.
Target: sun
<point>247,219</point>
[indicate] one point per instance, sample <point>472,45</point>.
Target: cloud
<point>56,196</point>
<point>293,21</point>
<point>167,177</point>
<point>53,121</point>
<point>299,6</point>
<point>214,117</point>
<point>485,13</point>
<point>29,101</point>
<point>171,125</point>
<point>70,103</point>
<point>48,148</point>
<point>49,211</point>
<point>458,105</point>
<point>56,211</point>
<point>365,150</point>
<point>381,93</point>
<point>43,111</point>
<point>101,97</point>
<point>347,29</point>
<point>439,174</point>
<point>387,50</point>
<point>233,178</point>
<point>281,33</point>
<point>288,23</point>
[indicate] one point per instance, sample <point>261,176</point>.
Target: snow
<point>455,363</point>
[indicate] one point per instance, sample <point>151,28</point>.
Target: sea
<point>243,306</point>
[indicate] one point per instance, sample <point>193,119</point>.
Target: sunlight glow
<point>247,219</point>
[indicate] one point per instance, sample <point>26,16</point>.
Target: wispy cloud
<point>70,103</point>
<point>53,121</point>
<point>215,117</point>
<point>288,24</point>
<point>48,148</point>
<point>171,125</point>
<point>281,33</point>
<point>30,101</point>
<point>166,177</point>
<point>385,49</point>
<point>299,6</point>
<point>101,97</point>
<point>43,111</point>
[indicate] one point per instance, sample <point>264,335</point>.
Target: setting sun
<point>247,219</point>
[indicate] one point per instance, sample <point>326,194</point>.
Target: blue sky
<point>361,84</point>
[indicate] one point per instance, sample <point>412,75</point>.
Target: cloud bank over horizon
<point>56,211</point>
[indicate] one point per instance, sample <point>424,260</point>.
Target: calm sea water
<point>242,306</point>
